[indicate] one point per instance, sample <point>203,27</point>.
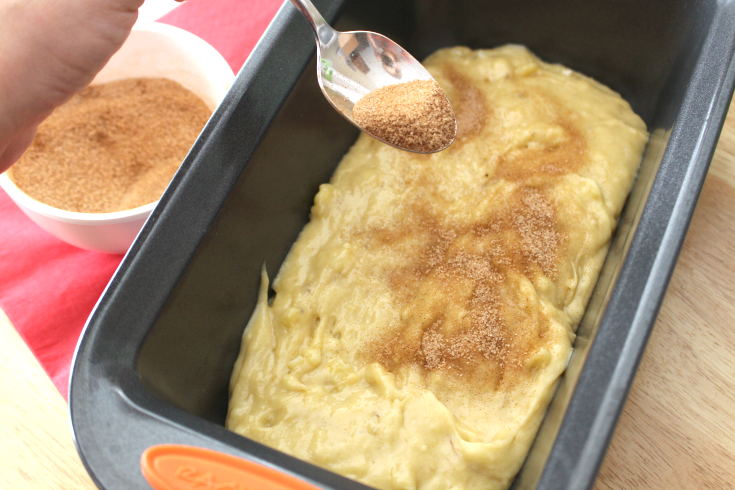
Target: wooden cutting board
<point>676,432</point>
<point>677,429</point>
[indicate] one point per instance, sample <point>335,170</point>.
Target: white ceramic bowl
<point>152,51</point>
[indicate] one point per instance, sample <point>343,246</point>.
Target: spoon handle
<point>322,30</point>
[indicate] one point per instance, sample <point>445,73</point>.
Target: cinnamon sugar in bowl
<point>114,148</point>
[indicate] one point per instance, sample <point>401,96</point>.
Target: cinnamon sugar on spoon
<point>414,115</point>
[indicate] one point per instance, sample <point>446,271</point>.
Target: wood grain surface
<point>676,432</point>
<point>36,447</point>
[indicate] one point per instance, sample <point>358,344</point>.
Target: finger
<point>16,147</point>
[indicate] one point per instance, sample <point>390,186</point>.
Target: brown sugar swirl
<point>543,161</point>
<point>461,313</point>
<point>457,283</point>
<point>470,105</point>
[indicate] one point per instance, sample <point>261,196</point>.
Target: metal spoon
<point>353,64</point>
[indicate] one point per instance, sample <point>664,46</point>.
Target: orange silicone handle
<point>176,467</point>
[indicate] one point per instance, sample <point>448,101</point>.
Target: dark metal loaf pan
<point>154,362</point>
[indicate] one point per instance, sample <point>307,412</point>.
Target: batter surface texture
<point>424,315</point>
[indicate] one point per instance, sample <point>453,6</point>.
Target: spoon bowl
<point>356,63</point>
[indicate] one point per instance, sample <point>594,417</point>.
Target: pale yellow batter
<point>425,313</point>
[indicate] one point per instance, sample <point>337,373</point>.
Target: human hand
<point>51,49</point>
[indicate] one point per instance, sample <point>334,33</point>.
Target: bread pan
<point>154,361</point>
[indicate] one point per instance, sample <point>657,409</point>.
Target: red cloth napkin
<point>48,288</point>
<point>233,27</point>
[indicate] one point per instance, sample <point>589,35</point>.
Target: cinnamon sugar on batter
<point>471,107</point>
<point>466,268</point>
<point>441,259</point>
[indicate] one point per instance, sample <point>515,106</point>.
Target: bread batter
<point>424,315</point>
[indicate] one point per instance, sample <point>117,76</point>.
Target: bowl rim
<point>213,55</point>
